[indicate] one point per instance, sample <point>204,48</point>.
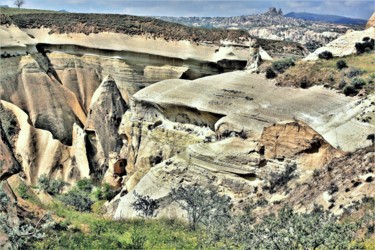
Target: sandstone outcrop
<point>8,131</point>
<point>340,184</point>
<point>344,45</point>
<point>235,147</point>
<point>371,21</point>
<point>38,153</point>
<point>150,110</point>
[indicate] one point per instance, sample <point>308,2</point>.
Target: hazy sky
<point>351,8</point>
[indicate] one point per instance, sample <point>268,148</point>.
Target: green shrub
<point>358,83</point>
<point>282,65</point>
<point>287,230</point>
<point>85,185</point>
<point>138,239</point>
<point>326,55</point>
<point>353,72</point>
<point>105,193</point>
<point>51,186</point>
<point>23,191</point>
<point>77,199</point>
<point>341,64</point>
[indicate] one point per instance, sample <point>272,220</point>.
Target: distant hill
<point>326,18</point>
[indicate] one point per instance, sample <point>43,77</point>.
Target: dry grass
<point>325,72</point>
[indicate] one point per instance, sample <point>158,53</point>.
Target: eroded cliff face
<point>147,114</point>
<point>70,91</point>
<point>239,153</point>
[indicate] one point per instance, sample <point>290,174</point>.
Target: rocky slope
<point>272,25</point>
<point>235,138</point>
<point>148,110</point>
<point>345,44</point>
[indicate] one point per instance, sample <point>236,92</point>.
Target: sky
<point>351,8</point>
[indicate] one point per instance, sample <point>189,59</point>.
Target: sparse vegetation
<point>288,230</point>
<point>326,73</point>
<point>279,179</point>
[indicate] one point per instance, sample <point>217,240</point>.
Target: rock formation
<point>371,21</point>
<point>147,111</point>
<point>345,44</point>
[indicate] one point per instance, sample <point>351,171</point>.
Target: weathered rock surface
<point>8,130</point>
<point>10,215</point>
<point>249,102</point>
<point>340,184</point>
<point>344,45</point>
<point>146,113</point>
<point>38,153</point>
<point>371,21</point>
<point>245,149</point>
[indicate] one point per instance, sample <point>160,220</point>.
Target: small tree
<point>145,205</point>
<point>203,206</point>
<point>19,3</point>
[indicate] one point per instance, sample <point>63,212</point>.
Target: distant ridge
<point>326,18</point>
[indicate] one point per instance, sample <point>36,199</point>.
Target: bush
<point>138,239</point>
<point>358,83</point>
<point>51,186</point>
<point>85,185</point>
<point>340,64</point>
<point>287,230</point>
<point>105,193</point>
<point>77,199</point>
<point>325,55</point>
<point>145,205</point>
<point>23,191</point>
<point>353,72</point>
<point>270,74</point>
<point>203,206</point>
<point>365,46</point>
<point>282,65</point>
<point>350,91</point>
